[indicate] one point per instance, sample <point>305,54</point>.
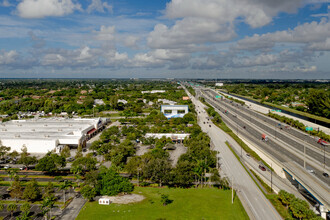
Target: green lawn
<point>208,203</point>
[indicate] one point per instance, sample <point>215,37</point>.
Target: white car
<point>7,167</point>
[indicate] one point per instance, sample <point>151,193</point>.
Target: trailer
<point>264,137</point>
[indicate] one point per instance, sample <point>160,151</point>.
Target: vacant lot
<point>186,204</point>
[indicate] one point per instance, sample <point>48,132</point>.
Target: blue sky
<point>168,39</point>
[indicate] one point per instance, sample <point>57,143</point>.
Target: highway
<point>291,156</point>
<point>253,200</point>
<point>280,140</point>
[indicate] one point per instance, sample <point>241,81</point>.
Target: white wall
<point>33,146</point>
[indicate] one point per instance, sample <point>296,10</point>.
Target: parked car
<point>326,175</point>
<point>262,168</point>
<point>209,125</point>
<point>7,167</point>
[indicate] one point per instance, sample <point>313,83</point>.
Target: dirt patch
<point>125,199</point>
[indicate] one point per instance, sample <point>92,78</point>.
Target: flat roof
<point>46,128</point>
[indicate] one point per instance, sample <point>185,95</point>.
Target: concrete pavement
<point>256,204</point>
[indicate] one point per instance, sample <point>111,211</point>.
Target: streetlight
<point>271,177</point>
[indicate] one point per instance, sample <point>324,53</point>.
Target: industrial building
<point>49,134</point>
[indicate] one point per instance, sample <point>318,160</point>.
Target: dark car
<point>262,168</point>
<point>209,125</point>
<point>326,175</point>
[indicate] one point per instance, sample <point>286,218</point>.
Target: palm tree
<point>11,208</point>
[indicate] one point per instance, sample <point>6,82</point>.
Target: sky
<point>252,39</point>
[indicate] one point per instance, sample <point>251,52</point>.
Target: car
<point>7,167</point>
<point>84,150</point>
<point>262,168</point>
<point>326,175</point>
<point>70,159</point>
<point>209,125</point>
<point>248,155</point>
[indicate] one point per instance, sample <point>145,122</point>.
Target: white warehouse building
<point>48,134</point>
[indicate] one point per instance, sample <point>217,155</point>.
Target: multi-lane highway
<point>285,146</point>
<point>255,203</point>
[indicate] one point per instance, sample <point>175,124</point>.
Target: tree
<point>88,192</point>
<point>47,205</point>
<point>11,208</point>
<point>110,183</point>
<point>51,163</point>
<point>25,208</point>
<point>79,152</point>
<point>12,173</point>
<point>3,150</point>
<point>165,200</point>
<point>299,208</point>
<point>31,191</point>
<point>158,170</point>
<point>65,152</point>
<point>285,197</point>
<point>1,206</point>
<point>83,164</point>
<point>65,185</point>
<point>49,190</point>
<point>16,189</point>
<point>183,173</point>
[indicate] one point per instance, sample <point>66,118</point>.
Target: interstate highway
<point>262,124</point>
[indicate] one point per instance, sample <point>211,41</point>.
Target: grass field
<point>208,203</point>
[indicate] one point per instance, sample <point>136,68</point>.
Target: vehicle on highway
<point>264,137</point>
<point>262,168</point>
<point>204,122</point>
<point>322,142</point>
<point>248,155</point>
<point>209,125</point>
<point>326,175</point>
<point>7,167</point>
<point>311,171</point>
<point>244,127</point>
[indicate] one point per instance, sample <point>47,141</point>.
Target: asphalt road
<point>252,198</point>
<point>288,155</point>
<point>280,142</point>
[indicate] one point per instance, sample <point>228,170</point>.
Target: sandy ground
<point>125,199</point>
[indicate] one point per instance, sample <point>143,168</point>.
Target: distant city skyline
<point>257,39</point>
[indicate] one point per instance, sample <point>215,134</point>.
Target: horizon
<point>165,39</point>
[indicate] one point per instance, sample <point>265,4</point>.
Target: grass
<point>206,203</point>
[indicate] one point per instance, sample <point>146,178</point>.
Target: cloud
<point>7,58</point>
<point>306,69</point>
<point>99,6</point>
<point>46,8</point>
<point>105,33</point>
<point>131,42</point>
<point>6,3</point>
<point>37,42</point>
<point>188,32</point>
<point>313,34</point>
<point>256,13</point>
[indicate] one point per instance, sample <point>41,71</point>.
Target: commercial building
<point>49,134</point>
<point>174,111</point>
<point>176,138</point>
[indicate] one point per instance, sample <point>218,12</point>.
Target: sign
<point>218,96</point>
<point>278,110</point>
<point>309,129</point>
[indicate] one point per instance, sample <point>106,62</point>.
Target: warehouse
<point>49,134</point>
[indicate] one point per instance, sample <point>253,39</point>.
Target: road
<point>284,152</point>
<point>256,204</point>
<point>280,143</point>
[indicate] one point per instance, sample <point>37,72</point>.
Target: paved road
<point>73,209</point>
<point>279,144</point>
<point>252,198</point>
<point>280,150</point>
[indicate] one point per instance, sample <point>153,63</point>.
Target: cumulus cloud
<point>8,57</point>
<point>45,8</point>
<point>6,3</point>
<point>99,6</point>
<point>131,41</point>
<point>105,33</point>
<point>314,34</point>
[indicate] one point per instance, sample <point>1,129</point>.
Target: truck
<point>264,137</point>
<point>323,142</point>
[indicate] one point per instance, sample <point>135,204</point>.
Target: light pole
<point>305,152</point>
<point>232,190</point>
